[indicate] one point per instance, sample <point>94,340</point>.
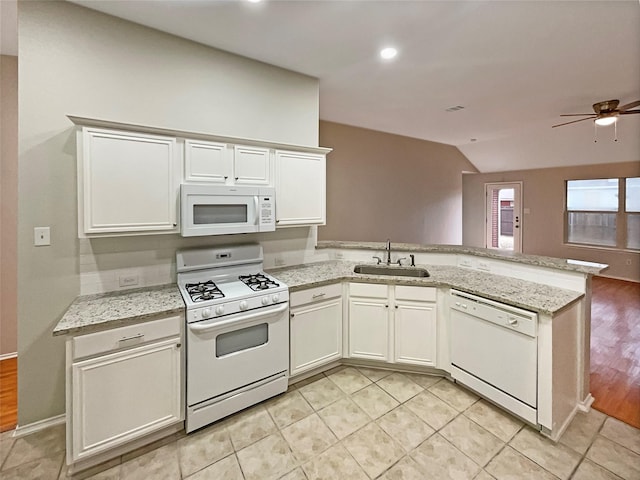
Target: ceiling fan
<point>606,113</point>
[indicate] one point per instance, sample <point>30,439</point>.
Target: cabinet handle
<point>178,345</point>
<point>386,306</point>
<point>396,306</point>
<point>226,176</point>
<point>133,337</point>
<point>237,178</point>
<point>175,224</point>
<point>318,295</point>
<point>292,315</point>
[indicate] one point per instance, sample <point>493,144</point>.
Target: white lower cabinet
<point>393,323</point>
<point>369,328</point>
<point>415,325</point>
<point>316,327</point>
<point>121,394</point>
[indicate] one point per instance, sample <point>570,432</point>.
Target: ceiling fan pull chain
<point>615,132</point>
<point>595,132</point>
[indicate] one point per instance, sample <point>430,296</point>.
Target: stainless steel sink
<point>395,271</point>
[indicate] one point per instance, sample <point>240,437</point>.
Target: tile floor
<point>358,423</point>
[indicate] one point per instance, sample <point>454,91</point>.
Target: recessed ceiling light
<point>388,53</point>
<point>254,1</point>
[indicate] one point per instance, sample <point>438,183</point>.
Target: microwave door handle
<point>256,203</point>
<point>195,327</point>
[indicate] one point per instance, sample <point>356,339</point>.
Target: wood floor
<point>615,349</point>
<point>8,394</point>
<point>615,355</point>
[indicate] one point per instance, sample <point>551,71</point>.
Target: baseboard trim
<point>21,431</point>
<point>7,356</point>
<point>585,405</point>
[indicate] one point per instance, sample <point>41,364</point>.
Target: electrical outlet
<point>628,262</point>
<point>278,261</point>
<point>41,236</point>
<point>128,280</point>
<point>483,266</point>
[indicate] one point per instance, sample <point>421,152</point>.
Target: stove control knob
<point>205,313</point>
<point>265,300</point>
<point>275,297</point>
<point>219,310</point>
<point>243,305</point>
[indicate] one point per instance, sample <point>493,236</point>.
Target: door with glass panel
<point>503,226</point>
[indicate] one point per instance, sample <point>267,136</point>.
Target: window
<point>632,209</point>
<point>604,212</point>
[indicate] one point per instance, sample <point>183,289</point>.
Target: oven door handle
<point>200,328</point>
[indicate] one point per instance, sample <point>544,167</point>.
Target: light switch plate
<point>42,236</point>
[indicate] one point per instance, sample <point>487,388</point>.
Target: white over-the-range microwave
<point>223,210</point>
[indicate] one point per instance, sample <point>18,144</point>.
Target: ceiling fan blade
<point>575,121</point>
<point>626,107</point>
<point>629,112</point>
<point>577,114</point>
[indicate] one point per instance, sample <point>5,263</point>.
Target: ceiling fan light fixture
<point>606,121</point>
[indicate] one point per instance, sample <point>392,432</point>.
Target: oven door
<point>225,354</point>
<point>215,210</point>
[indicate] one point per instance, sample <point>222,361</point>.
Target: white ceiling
<point>514,66</point>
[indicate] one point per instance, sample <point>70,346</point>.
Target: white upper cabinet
<point>128,183</point>
<point>207,162</point>
<point>251,165</point>
<point>300,188</point>
<point>225,164</point>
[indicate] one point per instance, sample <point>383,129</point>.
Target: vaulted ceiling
<point>513,66</point>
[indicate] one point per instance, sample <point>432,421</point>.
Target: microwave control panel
<point>267,210</point>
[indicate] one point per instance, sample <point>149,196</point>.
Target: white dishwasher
<point>494,352</point>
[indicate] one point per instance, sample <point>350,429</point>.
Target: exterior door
<point>503,227</point>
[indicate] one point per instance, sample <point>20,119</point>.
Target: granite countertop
<point>537,260</point>
<point>532,296</point>
<point>91,313</point>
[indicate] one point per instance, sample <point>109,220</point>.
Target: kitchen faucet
<point>388,251</point>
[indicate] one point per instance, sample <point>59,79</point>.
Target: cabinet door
<point>415,333</point>
<point>251,166</point>
<point>206,162</point>
<point>300,189</point>
<point>369,328</point>
<point>316,335</point>
<point>122,396</point>
<point>129,182</point>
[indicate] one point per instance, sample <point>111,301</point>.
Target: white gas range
<point>237,333</point>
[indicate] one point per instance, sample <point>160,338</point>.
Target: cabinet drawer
<point>368,290</point>
<point>100,342</point>
<point>427,294</point>
<point>316,294</point>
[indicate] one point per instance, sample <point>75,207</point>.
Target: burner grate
<point>203,291</point>
<point>258,282</point>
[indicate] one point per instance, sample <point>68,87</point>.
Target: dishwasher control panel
<point>497,313</point>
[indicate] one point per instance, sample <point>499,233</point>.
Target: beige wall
<point>382,186</point>
<point>8,202</point>
<point>80,62</point>
<point>543,228</point>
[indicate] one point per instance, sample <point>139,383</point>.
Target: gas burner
<point>258,281</point>
<point>202,291</point>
